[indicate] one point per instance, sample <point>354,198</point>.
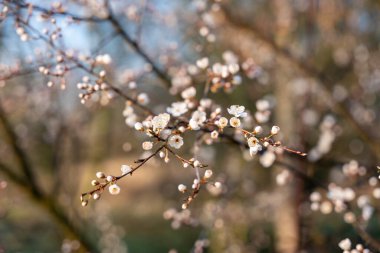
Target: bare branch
<point>50,12</point>
<point>159,72</point>
<point>324,81</point>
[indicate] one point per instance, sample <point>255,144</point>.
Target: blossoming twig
<point>111,180</point>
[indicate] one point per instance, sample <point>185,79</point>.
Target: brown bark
<point>286,217</point>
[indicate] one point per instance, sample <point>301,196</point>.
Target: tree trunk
<point>286,217</point>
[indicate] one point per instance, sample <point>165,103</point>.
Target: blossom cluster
<point>166,132</point>
<point>179,218</point>
<point>349,199</point>
<point>346,246</point>
<point>103,181</point>
<point>191,118</point>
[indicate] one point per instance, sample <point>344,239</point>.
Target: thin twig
<point>19,153</point>
<point>29,184</point>
<point>127,38</point>
<point>325,82</point>
<point>50,12</point>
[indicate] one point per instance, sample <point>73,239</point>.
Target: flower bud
<point>94,182</point>
<point>214,134</point>
<point>218,185</point>
<point>208,174</point>
<point>139,126</point>
<point>182,188</point>
<point>275,130</point>
<point>258,130</point>
<point>147,145</point>
<point>114,189</point>
<point>125,169</point>
<point>100,174</point>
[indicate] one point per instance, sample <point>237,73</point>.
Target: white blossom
<point>315,197</point>
<point>100,174</point>
<point>233,68</point>
<point>275,130</point>
<point>181,80</point>
<point>267,159</point>
<point>189,93</point>
<point>230,57</point>
<point>131,120</point>
<point>252,141</point>
<point>367,212</point>
<point>314,206</point>
<point>237,111</point>
<point>125,169</point>
<point>218,184</point>
<point>164,134</point>
<point>195,184</point>
<point>147,145</point>
<point>202,63</point>
<point>139,126</point>
<point>147,123</point>
<point>182,188</point>
<point>220,69</point>
<point>258,130</point>
<point>349,217</point>
<point>205,102</point>
<point>214,134</point>
<point>326,207</point>
<point>222,122</point>
<point>197,119</point>
<point>254,149</point>
<point>262,116</point>
<point>208,174</point>
<point>362,201</point>
<point>283,177</point>
<point>196,163</point>
<point>376,193</point>
<point>237,80</point>
<point>143,98</point>
<point>128,110</point>
<point>345,244</point>
<point>177,109</point>
<point>175,141</point>
<point>114,189</point>
<point>262,105</point>
<point>235,122</point>
<point>160,121</point>
<point>103,59</point>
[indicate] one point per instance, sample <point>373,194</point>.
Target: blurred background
<point>317,62</point>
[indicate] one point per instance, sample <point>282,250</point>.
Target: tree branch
<point>325,82</point>
<point>137,48</point>
<point>23,5</point>
<point>19,153</point>
<point>29,184</point>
